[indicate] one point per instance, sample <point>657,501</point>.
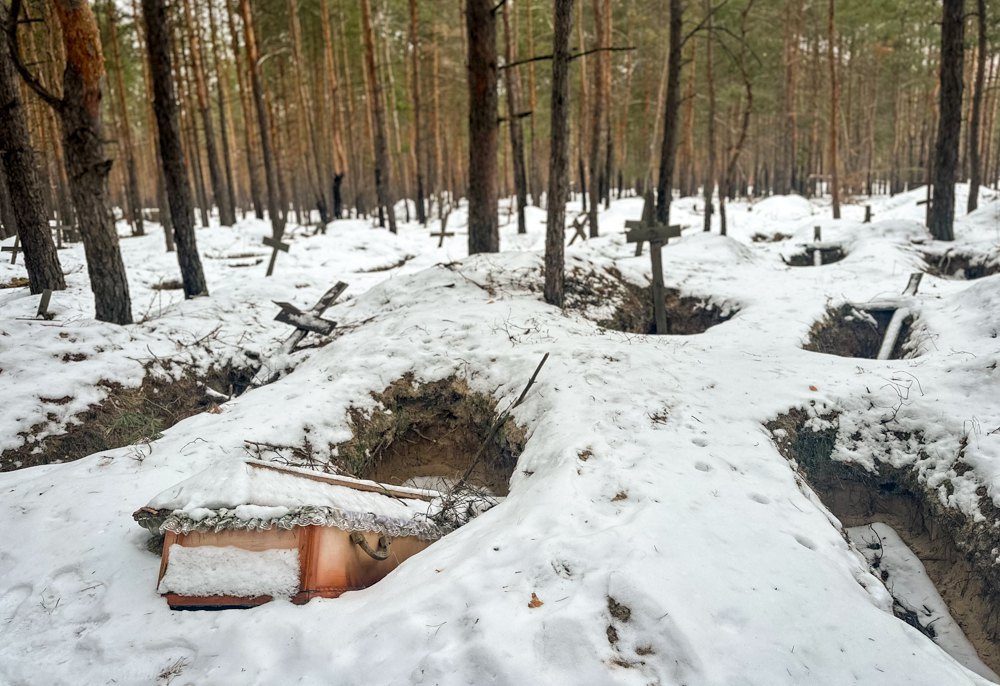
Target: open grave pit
<point>962,266</point>
<point>427,434</point>
<point>806,258</point>
<point>847,331</point>
<point>631,306</point>
<point>958,553</point>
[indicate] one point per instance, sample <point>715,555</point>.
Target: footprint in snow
<point>762,499</point>
<point>804,541</point>
<point>703,466</point>
<point>700,441</point>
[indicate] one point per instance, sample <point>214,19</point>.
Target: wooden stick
<point>371,487</point>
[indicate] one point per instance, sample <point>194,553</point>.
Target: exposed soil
<point>849,332</point>
<point>127,416</point>
<point>16,282</point>
<point>958,553</point>
<point>952,265</point>
<point>431,431</point>
<point>168,285</point>
<point>769,238</point>
<point>805,259</point>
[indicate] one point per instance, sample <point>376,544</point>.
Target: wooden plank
<point>43,305</point>
<point>653,233</point>
<point>276,243</point>
<point>659,296</point>
<point>892,333</point>
<point>290,314</point>
<point>913,284</point>
<point>14,249</point>
<point>367,486</point>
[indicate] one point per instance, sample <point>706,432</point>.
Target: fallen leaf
<point>535,602</point>
<point>813,388</point>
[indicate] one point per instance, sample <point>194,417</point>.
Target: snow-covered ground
<point>651,515</point>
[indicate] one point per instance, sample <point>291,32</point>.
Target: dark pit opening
<point>846,331</point>
<point>427,434</point>
<point>806,259</point>
<point>962,266</point>
<point>686,315</point>
<point>957,553</point>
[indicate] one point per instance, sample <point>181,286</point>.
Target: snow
<point>913,589</point>
<point>226,570</point>
<point>258,493</point>
<point>647,477</point>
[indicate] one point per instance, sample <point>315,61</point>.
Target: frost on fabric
<point>211,570</point>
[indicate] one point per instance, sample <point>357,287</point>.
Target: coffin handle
<point>380,553</point>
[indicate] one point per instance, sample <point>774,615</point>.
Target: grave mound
<point>962,266</point>
<point>846,331</point>
<point>686,315</point>
<point>806,258</point>
<point>126,416</point>
<point>427,434</point>
<point>957,552</point>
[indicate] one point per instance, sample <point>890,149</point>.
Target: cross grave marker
<point>441,235</point>
<point>311,321</point>
<point>276,244</point>
<point>657,235</point>
<point>14,249</point>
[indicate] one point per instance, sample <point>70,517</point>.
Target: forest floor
<point>678,507</point>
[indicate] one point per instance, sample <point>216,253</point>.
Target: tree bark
<point>274,195</point>
<point>942,213</point>
<point>383,179</point>
<point>481,28</point>
<point>975,120</point>
<point>221,86</point>
<point>132,187</point>
<point>178,189</point>
<point>597,105</point>
<point>514,122</point>
<point>79,112</point>
<point>834,108</point>
<point>248,117</point>
<point>558,193</point>
<point>25,194</point>
<point>330,72</point>
<point>708,188</point>
<point>668,150</point>
<point>418,133</point>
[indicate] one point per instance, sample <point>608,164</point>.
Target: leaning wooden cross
<point>657,235</point>
<point>276,244</point>
<point>441,235</point>
<point>13,249</point>
<point>311,321</point>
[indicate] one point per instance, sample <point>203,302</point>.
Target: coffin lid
<point>251,494</point>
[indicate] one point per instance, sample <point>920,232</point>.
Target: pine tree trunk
<point>132,187</point>
<point>834,109</point>
<point>87,167</point>
<point>709,180</point>
<point>418,133</point>
<point>975,119</point>
<point>558,194</point>
<point>221,85</point>
<point>383,179</point>
<point>178,189</point>
<point>481,27</point>
<point>668,151</point>
<point>248,117</point>
<point>274,194</point>
<point>330,72</point>
<point>514,122</point>
<point>25,194</point>
<point>594,166</point>
<point>942,213</point>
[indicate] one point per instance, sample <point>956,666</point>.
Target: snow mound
<point>785,208</point>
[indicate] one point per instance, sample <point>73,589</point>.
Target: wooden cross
<point>648,216</point>
<point>818,246</point>
<point>657,235</point>
<point>43,306</point>
<point>13,250</point>
<point>577,226</point>
<point>311,321</point>
<point>441,235</point>
<point>275,243</point>
<point>868,214</point>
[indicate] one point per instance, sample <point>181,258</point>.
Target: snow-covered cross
<point>13,249</point>
<point>311,321</point>
<point>276,244</point>
<point>657,235</point>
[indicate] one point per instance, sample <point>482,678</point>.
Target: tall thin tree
<point>383,176</point>
<point>941,218</point>
<point>668,149</point>
<point>481,30</point>
<point>555,232</point>
<point>157,20</point>
<point>976,116</point>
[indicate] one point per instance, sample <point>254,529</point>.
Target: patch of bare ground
<point>16,282</point>
<point>849,332</point>
<point>422,432</point>
<point>805,259</point>
<point>963,266</point>
<point>126,416</point>
<point>958,552</point>
<point>587,290</point>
